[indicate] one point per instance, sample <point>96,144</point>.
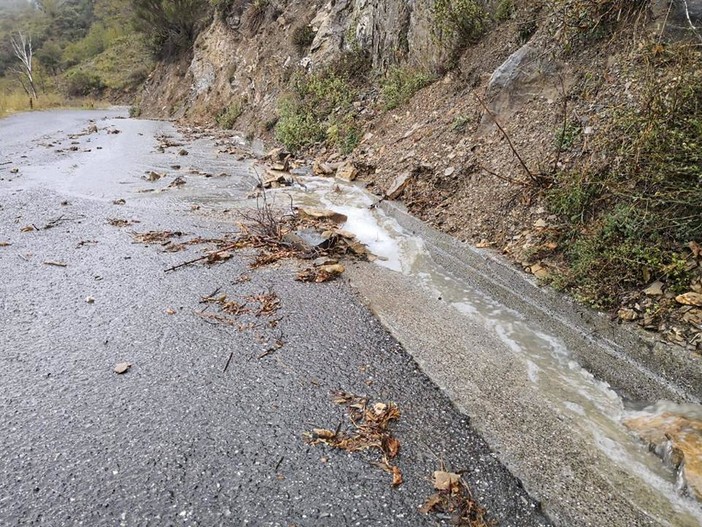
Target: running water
<point>593,407</point>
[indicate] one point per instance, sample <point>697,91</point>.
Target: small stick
<point>228,361</point>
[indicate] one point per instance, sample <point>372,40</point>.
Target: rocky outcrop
<point>677,438</point>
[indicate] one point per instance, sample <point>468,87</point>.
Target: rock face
<point>678,439</point>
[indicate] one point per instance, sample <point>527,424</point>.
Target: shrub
<point>80,83</point>
<point>457,23</point>
<point>400,84</point>
<point>504,10</point>
<point>230,114</point>
<point>317,108</point>
<point>170,25</point>
<point>302,37</point>
<point>627,218</point>
<point>255,15</point>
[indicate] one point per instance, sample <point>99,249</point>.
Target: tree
<point>22,47</point>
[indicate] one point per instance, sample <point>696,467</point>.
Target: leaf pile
<point>454,499</point>
<point>370,431</point>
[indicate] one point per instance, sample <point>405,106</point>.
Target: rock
<point>539,271</point>
<point>694,316</point>
<point>324,260</point>
<point>92,129</point>
<point>690,299</point>
<point>277,155</point>
<point>323,214</point>
<point>627,314</point>
<point>655,289</point>
<point>449,171</point>
<point>183,152</point>
<point>122,367</point>
<point>153,176</point>
<point>540,223</point>
<point>399,185</point>
<point>313,239</point>
<point>177,182</point>
<point>347,171</point>
<point>276,178</point>
<point>677,437</point>
<point>320,168</point>
<point>333,269</point>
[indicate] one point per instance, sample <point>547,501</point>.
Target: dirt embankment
<point>560,133</point>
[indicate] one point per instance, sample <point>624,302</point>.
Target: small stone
<point>449,171</point>
<point>183,152</point>
<point>90,300</point>
<point>398,185</point>
<point>655,289</point>
<point>627,314</point>
<point>122,367</point>
<point>323,214</point>
<point>540,223</point>
<point>689,299</point>
<point>347,171</point>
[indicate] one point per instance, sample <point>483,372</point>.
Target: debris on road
<point>55,263</point>
<point>5,244</point>
<point>119,202</point>
<point>153,237</point>
<point>323,273</point>
<point>117,222</point>
<point>453,501</point>
<point>122,367</point>
<point>29,228</point>
<point>370,431</point>
<point>90,300</point>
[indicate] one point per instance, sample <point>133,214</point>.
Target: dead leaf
<point>170,311</point>
<point>432,501</point>
<point>5,244</point>
<point>446,480</point>
<point>396,476</point>
<point>28,228</point>
<point>392,447</point>
<point>122,367</point>
<point>324,433</point>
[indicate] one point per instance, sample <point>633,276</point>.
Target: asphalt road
<point>177,440</point>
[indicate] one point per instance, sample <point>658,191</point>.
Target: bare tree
<point>22,46</point>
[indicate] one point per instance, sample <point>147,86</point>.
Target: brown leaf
<point>396,476</point>
<point>170,311</point>
<point>446,480</point>
<point>5,244</point>
<point>392,447</point>
<point>324,433</point>
<point>432,501</point>
<point>28,228</point>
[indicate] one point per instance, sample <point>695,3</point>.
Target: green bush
<point>457,23</point>
<point>80,83</point>
<point>170,25</point>
<point>302,37</point>
<point>627,218</point>
<point>230,114</point>
<point>400,84</point>
<point>504,10</point>
<point>317,108</point>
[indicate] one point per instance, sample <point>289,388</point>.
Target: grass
<point>227,118</point>
<point>629,212</point>
<point>401,83</point>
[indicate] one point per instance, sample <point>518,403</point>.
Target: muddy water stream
<point>572,391</point>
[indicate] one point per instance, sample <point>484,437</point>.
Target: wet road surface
<point>177,440</point>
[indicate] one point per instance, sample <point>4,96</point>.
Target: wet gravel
<point>177,440</point>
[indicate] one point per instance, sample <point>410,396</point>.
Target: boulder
<point>399,185</point>
<point>680,437</point>
<point>347,171</point>
<point>322,214</point>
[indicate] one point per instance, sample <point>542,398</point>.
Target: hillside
<point>81,49</point>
